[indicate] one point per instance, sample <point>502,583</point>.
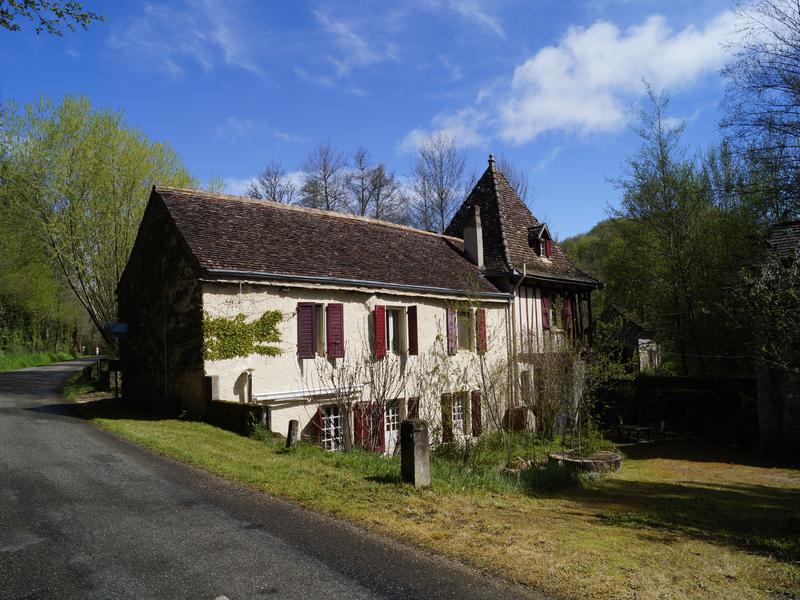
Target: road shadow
<point>113,409</point>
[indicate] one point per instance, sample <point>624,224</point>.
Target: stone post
<point>415,464</point>
<point>292,434</point>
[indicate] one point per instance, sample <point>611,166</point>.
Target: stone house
<point>366,311</point>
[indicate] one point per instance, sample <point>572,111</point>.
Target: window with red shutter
<point>379,323</point>
<point>413,343</point>
<point>566,314</point>
<point>475,406</point>
<point>480,330</point>
<point>334,330</point>
<point>452,331</point>
<point>548,247</point>
<point>306,330</point>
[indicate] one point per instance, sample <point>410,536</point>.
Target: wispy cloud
<point>473,11</point>
<point>236,128</point>
<point>353,48</point>
<point>169,39</point>
<point>586,82</point>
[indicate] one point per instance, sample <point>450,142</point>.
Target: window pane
<point>464,331</point>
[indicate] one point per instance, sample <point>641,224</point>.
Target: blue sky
<point>548,83</point>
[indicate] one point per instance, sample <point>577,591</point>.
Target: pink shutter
<point>545,312</point>
<point>475,410</point>
<point>334,330</point>
<point>305,330</point>
<point>480,330</point>
<point>548,247</point>
<point>413,343</point>
<point>452,331</point>
<point>379,320</point>
<point>447,418</point>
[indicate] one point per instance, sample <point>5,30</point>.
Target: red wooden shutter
<point>545,312</point>
<point>378,428</point>
<point>360,425</point>
<point>316,426</point>
<point>305,330</point>
<point>475,407</point>
<point>413,344</point>
<point>334,330</point>
<point>452,331</point>
<point>480,329</point>
<point>379,320</point>
<point>447,418</point>
<point>412,410</point>
<point>566,314</point>
<point>547,247</point>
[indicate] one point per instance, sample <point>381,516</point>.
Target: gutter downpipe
<point>514,361</point>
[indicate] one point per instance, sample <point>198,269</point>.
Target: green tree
<point>48,15</point>
<point>82,178</point>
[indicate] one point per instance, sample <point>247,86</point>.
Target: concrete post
<point>415,464</point>
<point>292,434</point>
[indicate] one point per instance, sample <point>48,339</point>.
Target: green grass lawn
<point>680,520</point>
<point>9,362</point>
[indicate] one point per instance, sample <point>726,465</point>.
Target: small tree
<point>438,181</point>
<point>324,179</point>
<point>272,184</point>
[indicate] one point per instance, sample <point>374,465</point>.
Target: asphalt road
<point>84,514</point>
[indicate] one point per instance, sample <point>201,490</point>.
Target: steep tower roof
<point>506,222</point>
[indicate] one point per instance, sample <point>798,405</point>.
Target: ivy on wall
<point>231,338</point>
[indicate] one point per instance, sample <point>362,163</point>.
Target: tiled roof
<point>785,238</point>
<point>230,233</point>
<point>505,220</point>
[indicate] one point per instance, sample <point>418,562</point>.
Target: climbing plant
<point>230,338</point>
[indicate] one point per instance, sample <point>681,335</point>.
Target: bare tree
<point>359,183</point>
<point>273,184</point>
<point>438,174</point>
<point>389,202</point>
<point>516,177</point>
<point>763,96</point>
<point>324,179</point>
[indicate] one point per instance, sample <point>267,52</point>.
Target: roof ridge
<point>501,217</point>
<point>306,209</point>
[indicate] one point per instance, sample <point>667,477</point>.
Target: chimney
<point>473,238</point>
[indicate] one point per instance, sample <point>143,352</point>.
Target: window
<point>394,329</point>
<point>393,417</point>
<point>465,330</point>
<point>458,412</point>
<point>332,428</point>
<point>319,329</point>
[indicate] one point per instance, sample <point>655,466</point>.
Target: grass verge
<point>10,362</point>
<point>679,521</point>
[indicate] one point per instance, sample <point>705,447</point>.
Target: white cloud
<point>167,39</point>
<point>585,83</point>
<point>463,125</point>
<point>237,186</point>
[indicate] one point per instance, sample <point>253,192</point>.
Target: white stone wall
<point>294,377</point>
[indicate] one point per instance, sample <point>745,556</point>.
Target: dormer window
<point>539,240</point>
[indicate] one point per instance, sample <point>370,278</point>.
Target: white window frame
<point>396,313</point>
<point>457,413</point>
<point>470,316</point>
<point>392,418</point>
<point>319,329</point>
<point>332,428</point>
